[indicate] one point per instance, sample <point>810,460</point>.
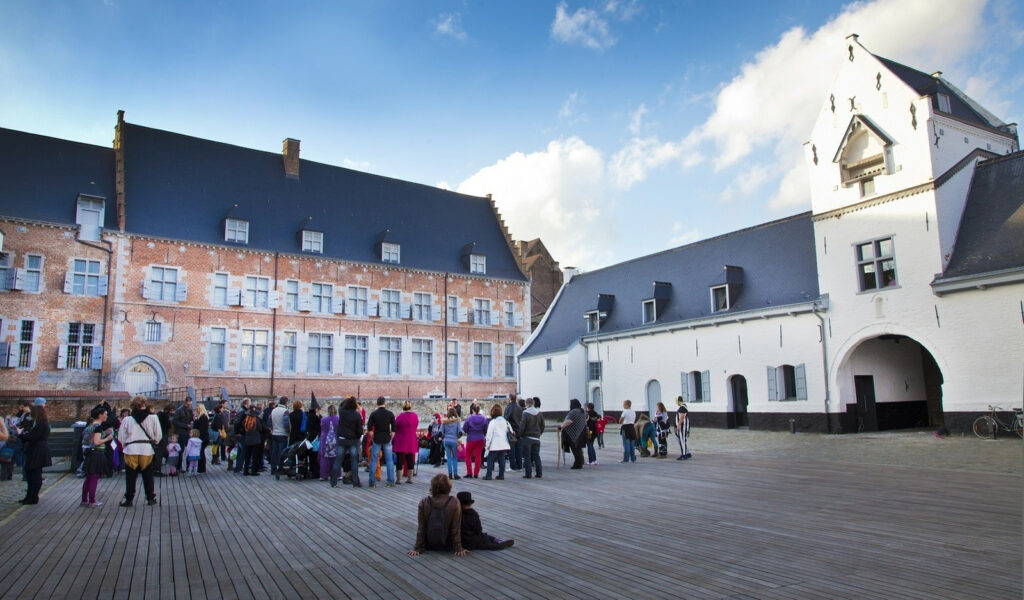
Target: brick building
<point>545,276</point>
<point>173,261</point>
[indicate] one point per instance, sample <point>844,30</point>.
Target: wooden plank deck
<point>718,526</point>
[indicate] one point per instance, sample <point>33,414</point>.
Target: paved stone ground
<point>14,490</point>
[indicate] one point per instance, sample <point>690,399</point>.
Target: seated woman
<point>439,520</point>
<point>473,536</point>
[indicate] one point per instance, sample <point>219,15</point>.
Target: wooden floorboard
<point>719,526</point>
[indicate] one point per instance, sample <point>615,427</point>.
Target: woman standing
<point>405,443</point>
<point>497,442</point>
<point>592,418</point>
<point>139,434</point>
<point>476,431</point>
<point>573,430</point>
<point>661,428</point>
<point>217,426</point>
<point>202,423</point>
<point>94,462</point>
<point>312,433</point>
<point>36,442</point>
<point>436,435</point>
<point>450,430</point>
<point>328,452</point>
<point>350,432</point>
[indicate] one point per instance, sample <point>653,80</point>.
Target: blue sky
<point>610,129</point>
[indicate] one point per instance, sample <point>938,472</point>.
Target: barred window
<point>80,342</point>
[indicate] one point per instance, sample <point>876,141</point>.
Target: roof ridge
<point>56,139</point>
<point>1001,158</point>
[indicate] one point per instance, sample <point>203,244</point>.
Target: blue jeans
<point>591,453</point>
<point>531,456</point>
<point>496,454</point>
<point>346,448</point>
<point>389,462</point>
<point>451,451</point>
<point>240,456</point>
<point>278,443</point>
<point>515,455</point>
<point>628,446</point>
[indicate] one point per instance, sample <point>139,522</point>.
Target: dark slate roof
<point>991,234</point>
<point>183,187</point>
<point>960,105</point>
<point>41,177</point>
<point>779,268</point>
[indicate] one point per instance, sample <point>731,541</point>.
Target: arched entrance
<point>598,399</point>
<point>653,396</point>
<point>738,402</point>
<point>140,378</point>
<point>890,382</point>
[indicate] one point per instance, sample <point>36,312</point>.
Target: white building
<point>898,301</point>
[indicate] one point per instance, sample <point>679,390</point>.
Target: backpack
<point>250,423</point>
<point>303,427</point>
<point>437,529</point>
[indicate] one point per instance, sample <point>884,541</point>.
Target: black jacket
<point>36,442</point>
<point>350,425</point>
<point>182,421</point>
<point>203,425</point>
<point>514,414</point>
<point>382,422</point>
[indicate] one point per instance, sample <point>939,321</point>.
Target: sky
<point>610,129</point>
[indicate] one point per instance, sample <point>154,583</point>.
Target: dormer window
<point>725,290</point>
<point>863,154</point>
<point>478,264</point>
<point>593,320</point>
<point>942,103</point>
<point>719,298</point>
<point>89,217</point>
<point>650,312</point>
<point>236,230</point>
<point>312,241</point>
<point>391,253</point>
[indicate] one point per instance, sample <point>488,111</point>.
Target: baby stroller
<point>294,463</point>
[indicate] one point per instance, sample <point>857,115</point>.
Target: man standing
<point>682,430</point>
<point>182,422</point>
<point>278,433</point>
<point>514,414</point>
<point>382,424</point>
<point>239,434</point>
<point>531,427</point>
<point>628,432</point>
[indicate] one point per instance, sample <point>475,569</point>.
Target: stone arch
<point>118,383</point>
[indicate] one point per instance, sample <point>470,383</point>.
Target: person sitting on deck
<point>473,535</point>
<point>439,520</point>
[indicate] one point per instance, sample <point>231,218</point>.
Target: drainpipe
<point>824,365</point>
<point>444,333</point>
<point>273,328</point>
<point>109,249</point>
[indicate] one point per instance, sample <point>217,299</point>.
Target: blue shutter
<point>62,356</point>
<point>15,279</point>
<point>705,385</point>
<point>800,373</point>
<point>372,308</point>
<point>462,315</point>
<point>338,305</point>
<point>104,286</point>
<point>305,303</point>
<point>69,282</point>
<point>234,297</point>
<point>684,388</point>
<point>495,318</point>
<point>147,290</point>
<point>96,360</point>
<point>181,292</point>
<point>435,313</point>
<point>273,299</point>
<point>773,385</point>
<point>5,354</point>
<point>517,319</point>
<point>405,311</point>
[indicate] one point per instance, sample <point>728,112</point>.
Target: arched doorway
<point>140,373</point>
<point>890,382</point>
<point>598,399</point>
<point>653,396</point>
<point>738,402</point>
<point>140,378</point>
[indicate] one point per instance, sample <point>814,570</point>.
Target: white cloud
<point>632,163</point>
<point>357,165</point>
<point>450,25</point>
<point>444,185</point>
<point>557,194</point>
<point>680,237</point>
<point>623,10</point>
<point>584,27</point>
<point>570,111</point>
<point>637,121</point>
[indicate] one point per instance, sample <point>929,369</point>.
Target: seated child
<point>173,450</point>
<point>473,536</point>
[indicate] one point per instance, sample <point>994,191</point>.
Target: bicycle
<point>987,426</point>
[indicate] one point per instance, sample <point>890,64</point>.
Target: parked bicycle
<point>987,426</point>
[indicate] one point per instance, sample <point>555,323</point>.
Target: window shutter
<point>705,385</point>
<point>462,315</point>
<point>234,296</point>
<point>104,286</point>
<point>69,279</point>
<point>273,299</point>
<point>96,360</point>
<point>684,387</point>
<point>373,308</point>
<point>800,373</point>
<point>15,279</point>
<point>305,303</point>
<point>517,319</point>
<point>405,311</point>
<point>435,313</point>
<point>338,306</point>
<point>5,355</point>
<point>62,356</point>
<point>773,385</point>
<point>181,292</point>
<point>495,318</point>
<point>691,387</point>
<point>147,290</point>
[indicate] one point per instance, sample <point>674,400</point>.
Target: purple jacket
<point>475,428</point>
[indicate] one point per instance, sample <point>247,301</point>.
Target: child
<point>193,450</point>
<point>473,536</point>
<point>173,450</point>
<point>601,424</point>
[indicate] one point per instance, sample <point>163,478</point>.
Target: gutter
<point>824,361</point>
<point>978,281</point>
<point>109,249</point>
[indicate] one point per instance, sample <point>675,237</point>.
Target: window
<point>787,382</point>
<point>481,311</point>
<point>510,360</point>
<point>356,354</point>
<point>453,358</point>
<point>547,365</point>
<point>421,306</point>
<point>33,272</point>
<point>696,386</point>
<point>323,294</point>
<point>163,284</point>
<point>942,102</point>
<point>319,353</point>
<point>390,358</point>
<point>236,230</point>
<point>89,218</point>
<point>26,338</point>
<point>423,357</point>
<point>218,341</point>
<point>389,302</point>
<point>220,289</point>
<point>875,265</point>
<point>357,297</point>
<point>482,359</point>
<point>510,314</point>
<point>649,313</point>
<point>289,351</point>
<point>153,333</point>
<point>85,277</point>
<point>594,370</point>
<point>477,264</point>
<point>254,350</point>
<point>719,298</point>
<point>453,309</point>
<point>257,290</point>
<point>593,322</point>
<point>390,253</point>
<point>291,295</point>
<point>80,341</point>
<point>312,241</point>
<point>5,268</point>
<point>867,187</point>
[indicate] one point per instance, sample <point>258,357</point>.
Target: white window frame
<point>510,359</point>
<point>80,345</point>
<point>312,241</point>
<point>357,355</point>
<point>253,356</point>
<point>453,309</point>
<point>481,311</point>
<point>6,264</point>
<point>236,230</point>
<point>163,282</point>
<point>483,362</point>
<point>391,253</point>
<point>389,360</point>
<point>594,369</point>
<point>83,280</point>
<point>593,319</point>
<point>217,349</point>
<point>291,295</point>
<point>289,351</point>
<point>653,316</point>
<point>724,289</point>
<point>478,264</point>
<point>320,353</point>
<point>218,279</point>
<point>421,305</point>
<point>510,313</point>
<point>452,356</point>
<point>257,291</point>
<point>322,297</point>
<point>357,298</point>
<point>33,274</point>
<point>93,205</point>
<point>422,357</point>
<point>390,304</point>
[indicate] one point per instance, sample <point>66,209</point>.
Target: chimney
<point>569,272</point>
<point>290,152</point>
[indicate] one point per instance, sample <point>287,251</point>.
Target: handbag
<point>6,454</point>
<point>513,437</point>
<point>316,444</point>
<point>214,436</point>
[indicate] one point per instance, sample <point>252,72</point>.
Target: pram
<point>298,455</point>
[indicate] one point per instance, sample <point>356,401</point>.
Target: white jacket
<point>130,431</point>
<point>497,435</point>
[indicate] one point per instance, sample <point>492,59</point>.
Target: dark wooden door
<point>867,417</point>
<point>739,400</point>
